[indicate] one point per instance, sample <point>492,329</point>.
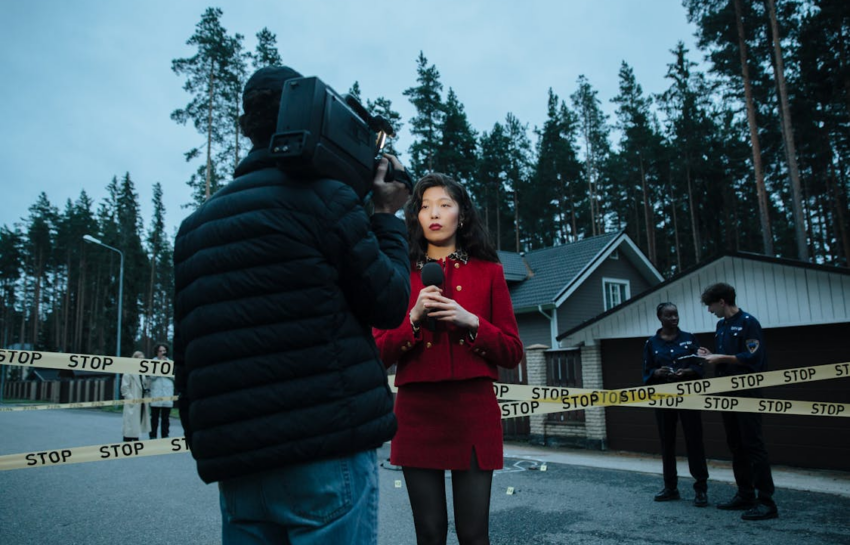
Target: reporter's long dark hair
<point>471,235</point>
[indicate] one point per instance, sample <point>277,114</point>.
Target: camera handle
<point>395,175</point>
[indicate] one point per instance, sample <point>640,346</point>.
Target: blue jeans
<point>329,501</point>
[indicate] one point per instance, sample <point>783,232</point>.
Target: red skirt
<point>440,425</point>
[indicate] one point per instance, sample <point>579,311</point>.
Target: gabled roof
<point>514,265</point>
<point>554,269</point>
<point>697,271</point>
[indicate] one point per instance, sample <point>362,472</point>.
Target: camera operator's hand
<point>388,198</point>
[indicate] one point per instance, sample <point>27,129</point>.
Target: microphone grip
<point>430,323</point>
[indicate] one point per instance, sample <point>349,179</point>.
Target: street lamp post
<point>91,239</point>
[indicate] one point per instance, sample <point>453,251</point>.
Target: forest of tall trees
<point>748,156</point>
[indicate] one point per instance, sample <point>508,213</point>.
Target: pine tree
<point>639,150</point>
<point>266,53</point>
<point>425,126</point>
<point>456,153</point>
<point>41,233</point>
<point>11,268</point>
<point>687,104</point>
<point>211,74</point>
<point>820,104</point>
<point>788,136</point>
<point>593,134</point>
<point>488,186</point>
<point>135,261</point>
<point>554,197</point>
<point>156,243</point>
<point>355,91</point>
<point>518,173</point>
<point>735,35</point>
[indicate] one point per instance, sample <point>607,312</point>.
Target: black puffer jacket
<point>278,284</point>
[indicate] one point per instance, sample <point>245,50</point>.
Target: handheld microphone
<point>432,275</point>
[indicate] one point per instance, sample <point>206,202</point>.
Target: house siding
<point>588,300</point>
<point>534,328</point>
<point>778,295</point>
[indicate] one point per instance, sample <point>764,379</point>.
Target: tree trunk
<point>81,308</point>
<point>516,217</point>
<point>150,310</point>
<point>647,217</point>
<point>788,135</point>
<point>498,221</point>
<point>487,207</point>
<point>767,235</point>
<point>66,326</point>
<point>237,131</point>
<point>691,209</point>
<point>675,222</point>
<point>36,300</point>
<point>209,131</point>
<point>574,234</point>
<point>839,201</point>
<point>590,168</point>
<point>24,312</point>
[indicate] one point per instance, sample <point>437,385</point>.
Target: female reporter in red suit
<point>448,417</point>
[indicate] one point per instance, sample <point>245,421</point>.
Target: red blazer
<point>447,353</point>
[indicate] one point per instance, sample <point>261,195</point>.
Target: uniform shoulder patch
<point>752,345</point>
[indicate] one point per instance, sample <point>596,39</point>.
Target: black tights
<point>471,492</point>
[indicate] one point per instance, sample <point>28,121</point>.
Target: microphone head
<point>432,274</point>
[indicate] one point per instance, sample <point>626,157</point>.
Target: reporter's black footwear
<point>761,511</point>
<point>737,503</point>
<point>667,494</point>
<point>701,499</point>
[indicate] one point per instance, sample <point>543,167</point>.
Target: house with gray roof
<point>555,289</point>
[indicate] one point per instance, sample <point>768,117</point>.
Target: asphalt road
<point>160,500</point>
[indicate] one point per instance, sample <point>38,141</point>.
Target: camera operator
<point>283,398</point>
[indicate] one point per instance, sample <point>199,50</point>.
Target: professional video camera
<point>321,134</point>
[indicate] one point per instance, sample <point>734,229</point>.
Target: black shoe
<point>737,503</point>
<point>667,494</point>
<point>701,499</point>
<point>761,511</point>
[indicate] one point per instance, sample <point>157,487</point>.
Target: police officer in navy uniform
<point>740,350</point>
<point>671,356</point>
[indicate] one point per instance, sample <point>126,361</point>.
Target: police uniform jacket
<point>740,336</point>
<point>449,353</point>
<point>676,354</point>
<point>278,283</point>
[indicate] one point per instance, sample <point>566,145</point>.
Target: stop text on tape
<point>95,453</point>
<point>86,362</point>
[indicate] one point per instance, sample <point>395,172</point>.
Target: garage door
<point>802,441</point>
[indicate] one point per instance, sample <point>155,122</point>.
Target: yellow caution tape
<point>96,453</point>
<point>85,362</point>
<point>86,404</point>
<point>515,409</point>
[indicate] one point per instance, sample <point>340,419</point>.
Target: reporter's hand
<point>419,310</point>
<point>388,198</point>
<point>448,310</point>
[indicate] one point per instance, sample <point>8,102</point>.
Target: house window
<point>614,292</point>
<point>615,254</point>
<point>563,368</point>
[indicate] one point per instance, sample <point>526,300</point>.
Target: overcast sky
<point>86,87</point>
